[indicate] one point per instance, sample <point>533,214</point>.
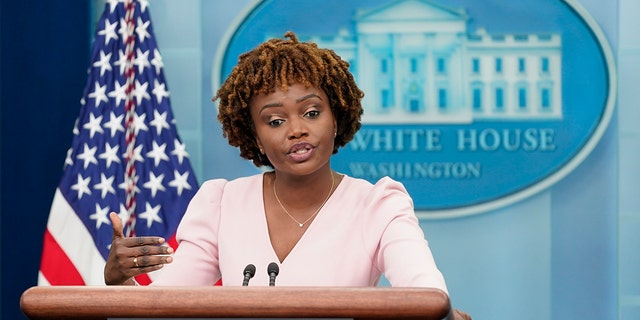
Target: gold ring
<point>135,261</point>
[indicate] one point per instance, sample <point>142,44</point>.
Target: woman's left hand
<point>129,257</point>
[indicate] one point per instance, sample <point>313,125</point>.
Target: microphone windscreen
<point>273,268</point>
<point>250,269</point>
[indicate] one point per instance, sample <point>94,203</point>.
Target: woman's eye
<point>313,114</point>
<point>275,123</point>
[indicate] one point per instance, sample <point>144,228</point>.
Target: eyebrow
<point>279,104</point>
<point>309,96</point>
<point>271,105</point>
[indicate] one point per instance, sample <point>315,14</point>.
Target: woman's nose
<point>297,129</point>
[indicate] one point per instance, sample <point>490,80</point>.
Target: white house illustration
<point>417,63</point>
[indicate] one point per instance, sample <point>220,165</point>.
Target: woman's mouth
<point>301,152</point>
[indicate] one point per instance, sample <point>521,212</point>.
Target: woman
<point>288,106</point>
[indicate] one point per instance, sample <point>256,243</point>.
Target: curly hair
<point>279,63</point>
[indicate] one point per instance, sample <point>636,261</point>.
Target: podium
<point>78,302</point>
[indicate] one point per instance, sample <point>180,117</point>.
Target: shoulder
<point>213,193</point>
<point>222,185</point>
<point>382,201</point>
<point>377,205</point>
<point>382,188</point>
<point>243,182</point>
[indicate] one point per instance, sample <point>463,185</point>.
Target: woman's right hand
<point>129,257</point>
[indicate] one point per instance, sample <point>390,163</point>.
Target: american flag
<point>126,155</point>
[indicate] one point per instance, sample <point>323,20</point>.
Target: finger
<point>148,269</point>
<point>148,264</point>
<point>116,223</point>
<point>153,241</point>
<point>154,250</point>
<point>151,261</point>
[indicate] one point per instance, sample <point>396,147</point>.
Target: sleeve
<point>195,262</point>
<point>402,254</point>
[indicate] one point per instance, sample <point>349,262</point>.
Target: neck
<point>319,177</point>
<point>302,223</point>
<point>301,192</point>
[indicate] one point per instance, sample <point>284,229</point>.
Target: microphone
<point>272,270</point>
<point>249,272</point>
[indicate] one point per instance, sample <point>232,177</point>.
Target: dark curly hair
<point>279,63</point>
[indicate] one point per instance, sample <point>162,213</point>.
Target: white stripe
<point>42,281</point>
<point>154,275</point>
<point>75,240</point>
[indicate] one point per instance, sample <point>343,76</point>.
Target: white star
<point>99,94</point>
<point>141,30</point>
<point>138,123</point>
<point>159,90</point>
<point>121,62</point>
<point>154,184</point>
<point>124,34</point>
<point>140,92</point>
<point>151,214</point>
<point>82,186</point>
<point>113,4</point>
<point>137,154</point>
<point>159,121</point>
<point>114,124</point>
<point>103,63</point>
<point>118,93</point>
<point>157,61</point>
<point>123,214</point>
<point>88,155</point>
<point>158,154</point>
<point>143,4</point>
<point>100,216</point>
<point>93,125</point>
<point>68,160</point>
<point>180,181</point>
<point>179,150</point>
<point>109,31</point>
<point>75,127</point>
<point>123,185</point>
<point>105,185</point>
<point>110,154</point>
<point>141,60</point>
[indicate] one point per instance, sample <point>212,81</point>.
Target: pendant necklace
<point>301,224</point>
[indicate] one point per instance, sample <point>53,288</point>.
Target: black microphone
<point>249,272</point>
<point>272,270</point>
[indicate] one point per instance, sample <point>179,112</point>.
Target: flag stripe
<point>143,279</point>
<point>75,242</point>
<point>42,280</point>
<point>58,260</point>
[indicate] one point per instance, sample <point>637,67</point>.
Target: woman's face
<point>295,129</point>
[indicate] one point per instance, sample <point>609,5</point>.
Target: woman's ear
<point>259,145</point>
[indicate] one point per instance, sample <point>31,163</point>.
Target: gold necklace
<point>301,224</point>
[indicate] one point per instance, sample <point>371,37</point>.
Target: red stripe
<point>143,279</point>
<point>173,243</point>
<point>56,266</point>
